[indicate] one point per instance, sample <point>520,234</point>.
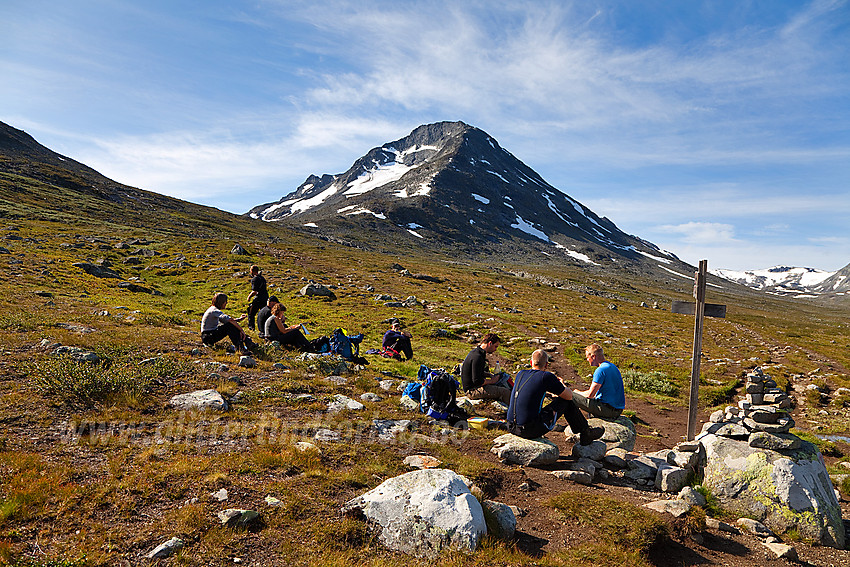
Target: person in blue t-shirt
<point>605,398</point>
<point>527,418</point>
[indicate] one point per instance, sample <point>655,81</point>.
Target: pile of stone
<point>761,418</point>
<point>755,467</point>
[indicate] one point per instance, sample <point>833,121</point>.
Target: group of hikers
<point>524,394</point>
<point>266,314</point>
<point>266,310</point>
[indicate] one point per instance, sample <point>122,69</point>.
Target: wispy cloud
<point>702,232</point>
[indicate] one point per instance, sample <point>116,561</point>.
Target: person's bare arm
<point>567,394</point>
<point>590,393</point>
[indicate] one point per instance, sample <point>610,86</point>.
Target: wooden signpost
<point>700,309</point>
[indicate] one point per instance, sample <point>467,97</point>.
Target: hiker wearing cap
<point>397,339</point>
<point>478,382</point>
<point>258,297</point>
<point>264,314</point>
<point>605,398</point>
<point>527,418</point>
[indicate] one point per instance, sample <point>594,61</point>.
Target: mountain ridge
<point>450,182</point>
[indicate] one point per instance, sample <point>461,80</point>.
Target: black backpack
<point>439,395</point>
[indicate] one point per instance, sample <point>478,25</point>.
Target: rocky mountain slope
<point>450,184</point>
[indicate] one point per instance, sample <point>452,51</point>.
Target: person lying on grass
<point>215,325</point>
<point>527,418</point>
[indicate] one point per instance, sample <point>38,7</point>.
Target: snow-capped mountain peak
<point>455,183</point>
<point>785,280</point>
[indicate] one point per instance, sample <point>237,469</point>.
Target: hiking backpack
<point>348,347</point>
<point>439,395</point>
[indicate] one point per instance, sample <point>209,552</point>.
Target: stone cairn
<point>761,417</point>
<point>756,467</point>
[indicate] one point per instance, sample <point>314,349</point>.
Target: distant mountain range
<point>791,281</point>
<point>450,184</point>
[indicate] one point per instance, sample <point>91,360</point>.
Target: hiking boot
<point>590,434</point>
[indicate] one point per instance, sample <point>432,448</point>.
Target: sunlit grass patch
<point>621,525</point>
<point>28,485</point>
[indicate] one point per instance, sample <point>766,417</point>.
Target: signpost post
<point>699,309</point>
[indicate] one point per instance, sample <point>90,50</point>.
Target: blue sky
<point>718,130</point>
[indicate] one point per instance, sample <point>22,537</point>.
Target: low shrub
<point>653,382</point>
<point>109,382</point>
<point>710,395</point>
<point>813,397</point>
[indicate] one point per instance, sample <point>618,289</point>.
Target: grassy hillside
<point>96,468</point>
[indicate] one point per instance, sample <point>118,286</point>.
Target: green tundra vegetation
<point>96,468</point>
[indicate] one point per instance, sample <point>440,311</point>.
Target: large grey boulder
<point>199,399</point>
<point>317,290</point>
<point>783,489</point>
<point>511,448</point>
<point>423,512</point>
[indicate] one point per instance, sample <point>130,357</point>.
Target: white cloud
<point>696,233</point>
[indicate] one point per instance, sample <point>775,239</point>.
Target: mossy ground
<point>109,472</point>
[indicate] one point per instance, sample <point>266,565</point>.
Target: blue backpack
<point>345,346</point>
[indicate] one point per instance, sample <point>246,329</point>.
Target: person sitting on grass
<point>527,418</point>
<point>605,398</point>
<point>478,382</point>
<point>398,340</point>
<point>215,325</point>
<point>286,336</point>
<point>264,314</point>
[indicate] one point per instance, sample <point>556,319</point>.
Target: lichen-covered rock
<point>595,451</point>
<point>619,433</point>
<point>199,399</point>
<point>423,512</point>
<point>513,449</point>
<point>501,520</point>
<point>671,479</point>
<point>783,489</point>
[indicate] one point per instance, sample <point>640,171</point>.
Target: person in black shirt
<point>264,314</point>
<point>478,382</point>
<point>259,295</point>
<point>398,340</point>
<point>527,418</point>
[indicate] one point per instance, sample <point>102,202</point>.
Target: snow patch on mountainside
<point>528,228</point>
